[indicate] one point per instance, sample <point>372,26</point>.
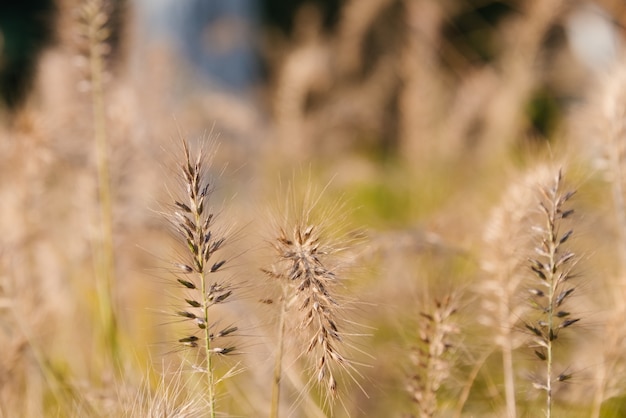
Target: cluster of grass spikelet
<point>312,312</point>
<point>194,221</point>
<point>530,278</point>
<point>301,269</point>
<point>308,287</point>
<point>432,357</point>
<point>552,266</point>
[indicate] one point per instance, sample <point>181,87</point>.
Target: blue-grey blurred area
<point>217,37</point>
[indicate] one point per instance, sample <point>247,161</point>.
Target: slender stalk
<point>96,35</point>
<point>206,303</point>
<point>467,387</point>
<point>278,362</point>
<point>509,378</point>
<point>505,307</point>
<point>505,233</point>
<point>207,350</point>
<point>552,282</point>
<point>549,353</point>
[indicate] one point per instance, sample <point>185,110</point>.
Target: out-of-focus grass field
<point>417,115</point>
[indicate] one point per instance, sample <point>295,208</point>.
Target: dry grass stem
<point>94,18</point>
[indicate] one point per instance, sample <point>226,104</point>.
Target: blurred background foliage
<point>416,113</point>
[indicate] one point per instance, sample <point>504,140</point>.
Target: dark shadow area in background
<point>29,26</point>
<point>26,28</point>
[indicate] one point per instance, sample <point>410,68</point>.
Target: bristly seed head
<point>553,267</point>
<point>192,219</point>
<point>310,281</point>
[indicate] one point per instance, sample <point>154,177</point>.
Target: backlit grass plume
<point>506,241</point>
<point>194,221</point>
<point>306,269</point>
<point>552,287</point>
